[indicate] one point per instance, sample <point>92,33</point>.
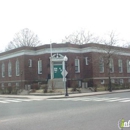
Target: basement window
<point>102,81</point>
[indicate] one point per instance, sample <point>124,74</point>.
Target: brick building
<point>26,65</point>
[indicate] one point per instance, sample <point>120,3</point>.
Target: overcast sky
<point>54,19</point>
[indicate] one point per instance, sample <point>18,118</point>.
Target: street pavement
<point>95,112</point>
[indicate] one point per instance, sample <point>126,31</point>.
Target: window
<point>3,70</point>
<point>2,85</point>
<point>30,62</point>
<point>40,66</point>
<point>128,80</point>
<point>9,84</point>
<point>101,65</point>
<point>17,67</point>
<point>111,65</point>
<point>102,81</point>
<point>121,81</point>
<point>112,80</point>
<point>17,85</point>
<point>86,60</point>
<point>77,66</point>
<point>9,69</point>
<point>120,66</point>
<point>128,66</point>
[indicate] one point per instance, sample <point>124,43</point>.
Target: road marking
<point>37,99</point>
<point>25,100</point>
<point>12,101</point>
<point>120,99</point>
<point>3,102</point>
<point>125,101</point>
<point>105,99</point>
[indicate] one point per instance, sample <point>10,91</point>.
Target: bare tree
<point>23,38</point>
<point>109,51</point>
<point>81,37</point>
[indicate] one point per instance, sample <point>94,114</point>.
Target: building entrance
<point>57,70</point>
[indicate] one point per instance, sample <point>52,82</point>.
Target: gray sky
<point>54,19</point>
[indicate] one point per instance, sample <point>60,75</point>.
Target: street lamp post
<point>64,75</point>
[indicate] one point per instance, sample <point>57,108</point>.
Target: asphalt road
<point>84,113</point>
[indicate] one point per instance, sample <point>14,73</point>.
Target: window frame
<point>30,62</point>
<point>102,81</point>
<point>9,69</point>
<point>120,66</point>
<point>3,70</point>
<point>128,66</point>
<point>101,65</point>
<point>17,68</point>
<point>86,60</point>
<point>77,66</point>
<point>39,66</point>
<point>111,65</point>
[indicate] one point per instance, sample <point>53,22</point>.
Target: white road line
<point>125,101</point>
<point>37,99</point>
<point>3,102</point>
<point>120,99</point>
<point>105,99</point>
<point>12,101</point>
<point>24,100</point>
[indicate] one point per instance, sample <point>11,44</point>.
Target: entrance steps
<point>56,83</point>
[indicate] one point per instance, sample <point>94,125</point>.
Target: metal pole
<point>64,77</point>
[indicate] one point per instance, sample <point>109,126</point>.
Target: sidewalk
<point>37,96</point>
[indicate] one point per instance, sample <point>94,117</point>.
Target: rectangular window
<point>128,66</point>
<point>121,81</point>
<point>30,62</point>
<point>17,85</point>
<point>112,80</point>
<point>111,66</point>
<point>9,69</point>
<point>2,85</point>
<point>102,81</point>
<point>128,80</point>
<point>17,68</point>
<point>3,70</point>
<point>120,66</point>
<point>101,65</point>
<point>9,84</point>
<point>86,60</point>
<point>77,66</point>
<point>40,67</point>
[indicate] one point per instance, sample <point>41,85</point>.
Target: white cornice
<point>57,50</point>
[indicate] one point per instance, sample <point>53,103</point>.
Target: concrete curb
<point>63,96</point>
<point>88,94</point>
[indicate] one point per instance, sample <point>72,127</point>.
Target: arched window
<point>3,70</point>
<point>17,67</point>
<point>9,69</point>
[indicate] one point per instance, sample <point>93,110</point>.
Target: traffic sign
<point>64,73</point>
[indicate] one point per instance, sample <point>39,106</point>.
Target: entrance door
<point>57,71</point>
